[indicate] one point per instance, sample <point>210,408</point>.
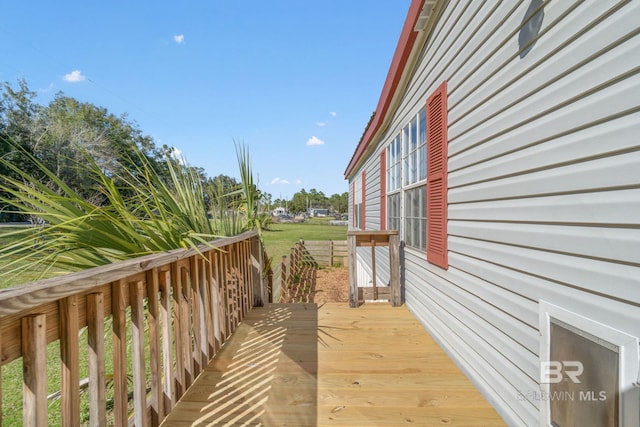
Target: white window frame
<point>414,174</point>
<point>407,171</point>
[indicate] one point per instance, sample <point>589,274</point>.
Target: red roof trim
<point>399,61</point>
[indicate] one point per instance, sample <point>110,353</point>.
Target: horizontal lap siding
<point>544,184</point>
<point>372,192</point>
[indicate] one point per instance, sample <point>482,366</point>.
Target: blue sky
<point>294,80</point>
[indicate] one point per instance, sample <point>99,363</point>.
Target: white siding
<point>544,184</point>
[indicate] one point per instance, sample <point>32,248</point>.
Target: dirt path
<point>332,285</point>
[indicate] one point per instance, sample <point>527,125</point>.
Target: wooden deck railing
<point>298,275</point>
<point>158,318</point>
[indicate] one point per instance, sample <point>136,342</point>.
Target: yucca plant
<point>233,215</point>
<point>139,214</point>
<point>250,194</point>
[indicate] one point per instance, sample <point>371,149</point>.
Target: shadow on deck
<point>308,365</point>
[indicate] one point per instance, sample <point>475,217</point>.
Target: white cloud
<point>333,113</point>
<point>75,76</point>
<point>298,181</point>
<point>314,140</point>
<point>47,89</point>
<point>178,155</point>
<point>321,124</point>
<point>179,38</point>
<point>278,180</point>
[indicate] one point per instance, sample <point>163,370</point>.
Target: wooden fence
<point>294,278</point>
<point>179,308</point>
<point>298,275</point>
<point>328,253</point>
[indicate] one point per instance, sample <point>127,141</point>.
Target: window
<point>394,174</point>
<point>359,202</point>
<point>363,220</point>
<point>415,149</point>
<point>393,165</point>
<point>414,185</point>
<point>415,217</point>
<point>406,158</point>
<point>422,145</point>
<point>383,190</point>
<point>393,211</point>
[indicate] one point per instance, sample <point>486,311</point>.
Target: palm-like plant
<point>139,213</point>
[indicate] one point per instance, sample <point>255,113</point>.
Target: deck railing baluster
<point>70,369</point>
<point>153,321</point>
<point>95,341</point>
<point>34,362</point>
<point>183,305</point>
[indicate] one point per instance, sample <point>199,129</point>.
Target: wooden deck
<point>303,365</point>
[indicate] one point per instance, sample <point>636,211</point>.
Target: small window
<point>393,165</point>
<point>393,211</point>
<point>415,217</point>
<point>415,149</point>
<point>357,203</point>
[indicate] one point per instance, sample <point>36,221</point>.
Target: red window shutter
<point>363,225</point>
<point>437,158</point>
<point>383,190</point>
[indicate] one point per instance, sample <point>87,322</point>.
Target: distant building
<point>279,211</point>
<point>318,212</point>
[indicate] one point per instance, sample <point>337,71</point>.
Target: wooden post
<point>137,348</point>
<point>176,293</point>
<point>154,346</point>
<point>330,253</point>
<point>197,317</point>
<point>34,371</point>
<point>168,385</point>
<point>260,297</point>
<point>120,411</point>
<point>95,339</point>
<point>70,361</point>
<point>353,280</point>
<point>186,351</point>
<point>374,274</point>
<point>283,279</point>
<point>394,265</point>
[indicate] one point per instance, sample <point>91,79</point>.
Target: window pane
<point>405,139</point>
<point>393,212</point>
<point>414,166</point>
<point>422,165</point>
<point>423,126</point>
<point>416,217</point>
<point>414,133</point>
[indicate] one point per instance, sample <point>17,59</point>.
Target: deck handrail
<point>178,307</point>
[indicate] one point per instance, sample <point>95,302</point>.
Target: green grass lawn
<point>28,276</point>
<point>279,240</point>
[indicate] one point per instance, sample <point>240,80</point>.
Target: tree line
<point>66,132</point>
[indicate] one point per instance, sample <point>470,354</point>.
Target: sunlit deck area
<point>331,365</point>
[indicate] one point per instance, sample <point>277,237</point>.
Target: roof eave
<point>413,24</point>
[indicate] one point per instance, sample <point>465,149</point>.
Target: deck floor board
<point>307,365</point>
